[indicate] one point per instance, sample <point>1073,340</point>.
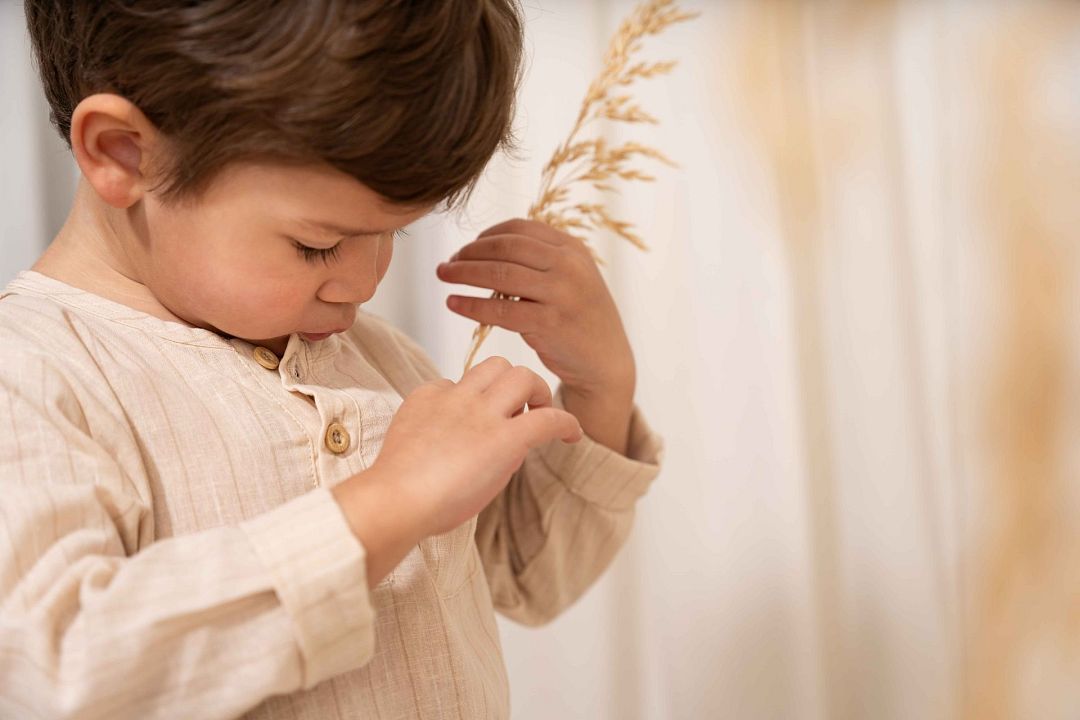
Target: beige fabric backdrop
<point>855,328</point>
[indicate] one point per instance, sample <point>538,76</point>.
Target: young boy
<point>224,489</point>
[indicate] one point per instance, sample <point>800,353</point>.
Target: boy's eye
<point>313,255</point>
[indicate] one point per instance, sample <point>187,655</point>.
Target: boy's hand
<point>452,447</point>
<point>565,314</point>
<point>449,450</point>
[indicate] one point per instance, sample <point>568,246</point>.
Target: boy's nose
<point>355,276</point>
<point>352,290</point>
<point>351,282</point>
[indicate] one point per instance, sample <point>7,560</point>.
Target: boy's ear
<point>114,144</point>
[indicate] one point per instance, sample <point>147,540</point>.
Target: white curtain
<point>856,329</point>
<point>38,176</point>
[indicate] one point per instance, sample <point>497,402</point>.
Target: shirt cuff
<point>319,572</point>
<point>600,475</point>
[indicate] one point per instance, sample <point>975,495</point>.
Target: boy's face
<point>230,261</point>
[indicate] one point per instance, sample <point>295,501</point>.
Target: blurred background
<point>857,329</point>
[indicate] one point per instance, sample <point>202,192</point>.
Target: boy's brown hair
<point>411,98</point>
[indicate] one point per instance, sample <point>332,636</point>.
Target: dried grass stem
<point>579,161</point>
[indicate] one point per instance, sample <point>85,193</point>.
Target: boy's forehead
<point>321,199</point>
<point>332,228</point>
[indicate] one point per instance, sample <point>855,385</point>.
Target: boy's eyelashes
<point>313,255</point>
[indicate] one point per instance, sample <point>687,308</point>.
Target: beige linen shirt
<point>169,546</point>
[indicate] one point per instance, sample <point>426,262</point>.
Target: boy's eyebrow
<point>331,228</point>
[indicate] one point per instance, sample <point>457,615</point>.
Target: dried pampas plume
<point>592,161</point>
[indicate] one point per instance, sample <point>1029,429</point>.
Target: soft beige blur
<point>1015,649</point>
<point>1023,654</point>
<point>820,95</point>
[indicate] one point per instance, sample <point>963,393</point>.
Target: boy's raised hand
<point>565,314</point>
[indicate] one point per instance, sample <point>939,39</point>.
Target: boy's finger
<point>517,387</point>
<point>531,228</point>
<point>480,376</point>
<point>507,278</point>
<point>546,424</point>
<point>521,249</point>
<point>520,316</point>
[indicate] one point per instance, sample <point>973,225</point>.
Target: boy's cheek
<point>386,254</point>
<point>261,314</point>
<point>238,306</point>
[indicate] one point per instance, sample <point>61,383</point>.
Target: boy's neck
<point>90,253</point>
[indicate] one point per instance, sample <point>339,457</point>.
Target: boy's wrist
<point>381,518</point>
<point>604,416</point>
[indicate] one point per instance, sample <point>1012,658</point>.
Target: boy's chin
<point>277,339</point>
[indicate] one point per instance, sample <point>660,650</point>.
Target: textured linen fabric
<point>169,546</point>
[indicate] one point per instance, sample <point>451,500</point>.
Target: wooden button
<point>337,438</point>
<point>266,358</point>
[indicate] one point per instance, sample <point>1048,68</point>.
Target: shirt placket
<point>337,425</point>
<point>341,433</point>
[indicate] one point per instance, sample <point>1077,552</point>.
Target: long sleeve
<point>566,511</point>
<point>97,620</point>
<point>557,525</point>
